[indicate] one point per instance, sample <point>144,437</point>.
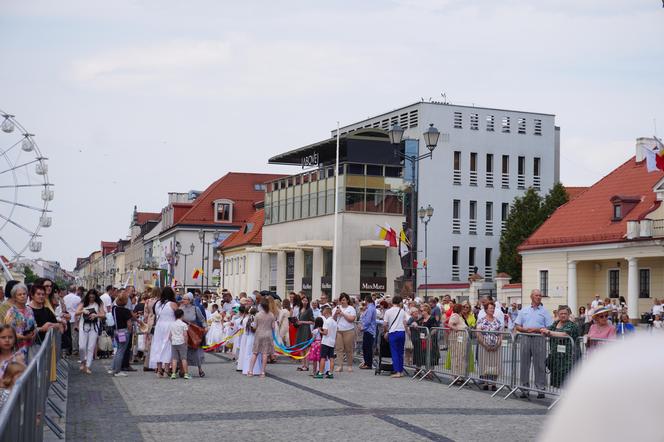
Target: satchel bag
<point>104,342</point>
<point>194,335</point>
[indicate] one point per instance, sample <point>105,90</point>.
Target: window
<point>522,126</point>
<point>488,268</point>
<point>472,215</point>
<point>456,179</point>
<point>489,170</point>
<point>490,123</point>
<point>474,121</point>
<point>455,263</point>
<point>504,214</point>
<point>489,218</point>
<point>521,172</point>
<point>505,181</point>
<point>538,127</point>
<point>506,125</point>
<point>544,282</point>
<point>614,283</point>
<point>644,283</point>
<point>456,215</point>
<point>223,211</point>
<point>458,120</point>
<point>537,170</point>
<point>473,169</point>
<point>472,269</point>
<point>260,187</point>
<point>617,212</point>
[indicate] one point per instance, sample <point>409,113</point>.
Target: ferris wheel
<point>25,190</point>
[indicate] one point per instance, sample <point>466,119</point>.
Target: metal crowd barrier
<point>494,360</point>
<point>23,416</point>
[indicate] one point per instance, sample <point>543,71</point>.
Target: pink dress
<point>314,352</point>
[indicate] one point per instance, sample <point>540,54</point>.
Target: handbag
<point>121,334</point>
<point>104,342</point>
<point>194,335</point>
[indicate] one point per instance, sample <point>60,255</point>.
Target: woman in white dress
<point>160,348</point>
<point>247,345</point>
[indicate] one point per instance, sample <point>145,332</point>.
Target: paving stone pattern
<point>227,405</point>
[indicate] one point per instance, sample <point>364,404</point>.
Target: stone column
<point>633,288</point>
<point>316,272</point>
<point>572,296</point>
<point>281,275</point>
<point>298,272</point>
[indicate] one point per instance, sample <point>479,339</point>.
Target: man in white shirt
<point>658,308</point>
<point>72,300</point>
<point>595,302</point>
<point>107,299</point>
<point>499,315</point>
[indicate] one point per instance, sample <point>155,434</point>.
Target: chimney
<point>642,142</point>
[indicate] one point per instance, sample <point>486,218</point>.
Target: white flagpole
<point>336,221</point>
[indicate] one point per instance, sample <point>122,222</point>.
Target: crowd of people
<point>169,332</point>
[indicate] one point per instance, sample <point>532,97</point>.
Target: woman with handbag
<point>89,313</point>
<point>122,319</point>
<point>195,333</point>
<point>149,320</point>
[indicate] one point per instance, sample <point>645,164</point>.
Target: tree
<point>556,197</point>
<point>527,214</point>
<point>30,276</point>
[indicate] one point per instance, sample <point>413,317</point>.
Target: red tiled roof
<point>252,237</point>
<point>144,217</point>
<point>235,186</point>
<point>513,286</point>
<point>108,247</point>
<point>574,191</point>
<point>587,219</point>
<point>458,285</point>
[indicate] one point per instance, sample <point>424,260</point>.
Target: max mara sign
<point>376,284</point>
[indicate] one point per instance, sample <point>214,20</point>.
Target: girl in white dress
<point>247,346</point>
<point>160,348</point>
<point>215,333</point>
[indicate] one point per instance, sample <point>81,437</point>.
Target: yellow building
<point>609,240</point>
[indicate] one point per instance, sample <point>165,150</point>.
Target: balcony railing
<point>645,228</point>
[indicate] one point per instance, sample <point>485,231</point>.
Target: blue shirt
<point>624,328</point>
<point>530,317</point>
<point>369,319</point>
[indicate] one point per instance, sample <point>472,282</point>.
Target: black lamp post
<point>430,136</point>
<point>428,213</point>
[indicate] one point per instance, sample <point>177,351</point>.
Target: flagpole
<point>336,221</point>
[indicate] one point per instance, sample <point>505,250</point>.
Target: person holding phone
<point>89,313</point>
<point>345,316</point>
<point>21,317</point>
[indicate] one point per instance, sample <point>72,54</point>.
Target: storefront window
<point>354,199</point>
<point>375,199</point>
<point>393,202</point>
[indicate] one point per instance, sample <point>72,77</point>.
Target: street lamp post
<point>178,247</point>
<point>428,213</point>
<point>430,136</point>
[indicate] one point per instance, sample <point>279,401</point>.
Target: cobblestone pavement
<point>287,405</point>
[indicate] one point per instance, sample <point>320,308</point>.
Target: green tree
<point>527,213</point>
<point>30,276</point>
<point>556,197</point>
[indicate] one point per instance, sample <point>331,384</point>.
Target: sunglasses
<point>602,316</point>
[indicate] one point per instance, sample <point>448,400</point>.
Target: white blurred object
<point>621,379</point>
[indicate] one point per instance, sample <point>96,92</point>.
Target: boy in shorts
<point>329,333</point>
<point>178,337</point>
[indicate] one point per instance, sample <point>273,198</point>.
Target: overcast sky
<point>133,99</point>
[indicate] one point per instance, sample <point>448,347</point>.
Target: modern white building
<point>297,249</point>
<point>484,159</point>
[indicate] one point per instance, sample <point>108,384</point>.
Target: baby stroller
<point>384,356</point>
